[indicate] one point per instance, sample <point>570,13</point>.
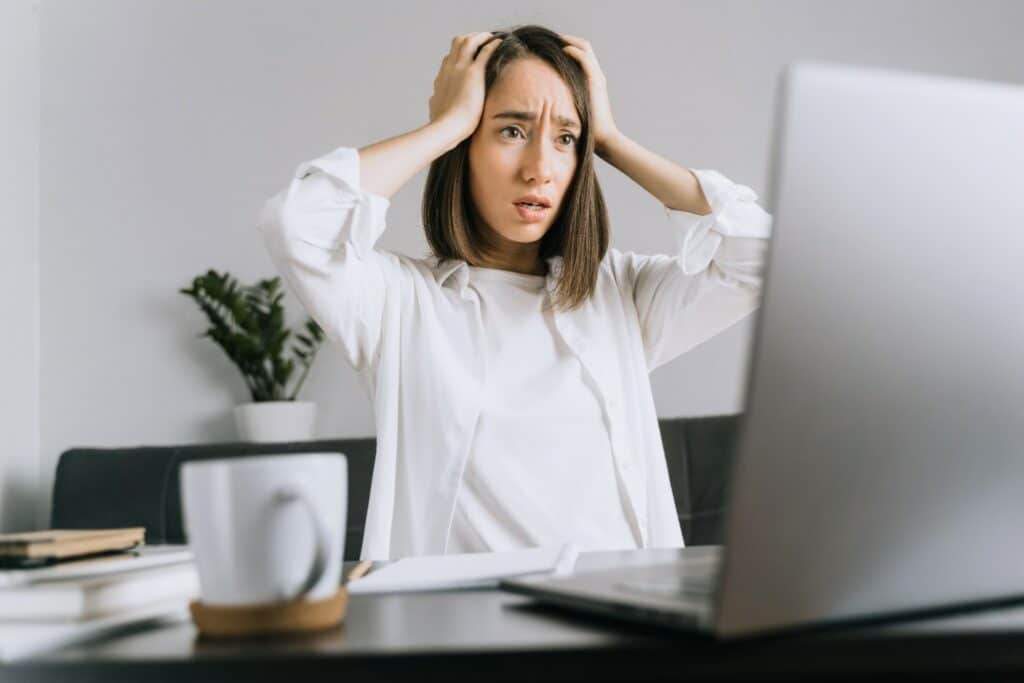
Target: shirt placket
<point>465,426</point>
<point>628,469</point>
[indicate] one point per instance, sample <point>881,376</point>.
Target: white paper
<point>468,570</point>
<point>94,596</point>
<point>20,640</point>
<point>138,558</point>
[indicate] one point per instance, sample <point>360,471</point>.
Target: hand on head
<point>459,86</point>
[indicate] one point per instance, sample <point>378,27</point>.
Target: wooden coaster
<point>288,617</point>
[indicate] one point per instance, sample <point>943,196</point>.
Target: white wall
<point>19,263</point>
<point>166,124</point>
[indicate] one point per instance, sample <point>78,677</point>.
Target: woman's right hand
<point>459,87</point>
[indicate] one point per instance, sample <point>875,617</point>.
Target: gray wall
<point>165,124</point>
<point>19,263</point>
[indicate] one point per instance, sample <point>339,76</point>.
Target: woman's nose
<point>537,163</point>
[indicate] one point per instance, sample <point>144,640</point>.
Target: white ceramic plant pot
<point>275,420</point>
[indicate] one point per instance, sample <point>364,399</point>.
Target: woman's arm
<point>385,166</point>
<point>714,278</point>
<point>675,186</point>
<point>455,110</point>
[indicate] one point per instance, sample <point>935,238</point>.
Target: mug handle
<point>296,493</point>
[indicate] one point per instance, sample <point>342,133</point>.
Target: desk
<point>489,635</point>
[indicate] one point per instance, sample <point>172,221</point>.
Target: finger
<point>588,60</point>
<point>485,52</point>
<point>582,45</point>
<point>457,44</point>
<point>472,44</point>
<point>576,53</point>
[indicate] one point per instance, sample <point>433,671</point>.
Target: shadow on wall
<point>18,503</point>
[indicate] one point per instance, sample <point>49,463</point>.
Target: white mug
<point>266,528</point>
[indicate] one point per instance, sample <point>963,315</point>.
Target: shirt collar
<point>458,271</point>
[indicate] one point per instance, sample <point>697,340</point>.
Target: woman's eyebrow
<point>563,121</point>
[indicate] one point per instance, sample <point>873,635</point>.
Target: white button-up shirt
<point>413,328</point>
<point>540,470</point>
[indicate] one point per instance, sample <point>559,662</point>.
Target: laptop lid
<point>880,463</point>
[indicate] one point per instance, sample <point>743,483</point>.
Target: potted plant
<point>248,323</point>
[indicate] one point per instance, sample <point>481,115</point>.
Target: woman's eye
<point>567,138</point>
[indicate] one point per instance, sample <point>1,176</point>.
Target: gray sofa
<point>140,486</point>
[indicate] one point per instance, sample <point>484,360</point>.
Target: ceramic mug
<point>268,528</point>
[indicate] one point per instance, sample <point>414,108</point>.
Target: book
<point>55,544</point>
<point>21,640</point>
<point>137,558</point>
<point>466,570</point>
<point>74,599</point>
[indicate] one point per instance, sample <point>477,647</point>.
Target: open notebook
<point>469,570</point>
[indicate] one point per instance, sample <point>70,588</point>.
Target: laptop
<point>879,470</point>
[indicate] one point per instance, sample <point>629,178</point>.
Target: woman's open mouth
<point>531,213</point>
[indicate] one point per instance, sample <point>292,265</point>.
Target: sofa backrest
<point>116,487</point>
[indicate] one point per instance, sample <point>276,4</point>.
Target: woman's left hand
<point>601,121</point>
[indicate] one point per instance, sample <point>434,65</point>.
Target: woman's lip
<point>531,215</point>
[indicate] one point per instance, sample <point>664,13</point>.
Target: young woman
<point>509,368</point>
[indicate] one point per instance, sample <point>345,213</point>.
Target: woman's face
<point>531,151</point>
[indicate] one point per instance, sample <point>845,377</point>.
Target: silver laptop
<point>880,462</point>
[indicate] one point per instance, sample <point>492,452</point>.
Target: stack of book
<point>60,587</point>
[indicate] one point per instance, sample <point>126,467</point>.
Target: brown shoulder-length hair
<point>579,233</point>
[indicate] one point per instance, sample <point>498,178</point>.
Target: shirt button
<point>612,403</point>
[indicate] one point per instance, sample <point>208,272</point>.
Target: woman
<point>509,369</point>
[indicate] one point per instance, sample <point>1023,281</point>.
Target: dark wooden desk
<point>488,635</point>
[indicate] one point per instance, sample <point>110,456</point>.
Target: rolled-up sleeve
<point>320,233</point>
<point>712,281</point>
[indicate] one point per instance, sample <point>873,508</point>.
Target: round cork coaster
<point>296,616</point>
